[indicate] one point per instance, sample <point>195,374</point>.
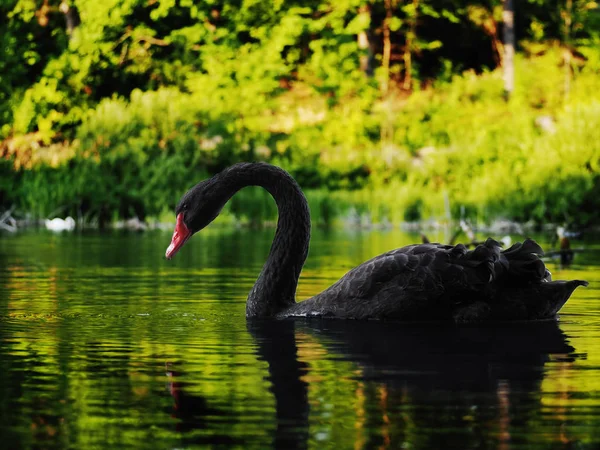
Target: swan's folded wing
<point>524,263</point>
<point>428,281</point>
<point>473,270</point>
<point>398,284</point>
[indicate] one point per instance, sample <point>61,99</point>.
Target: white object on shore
<point>57,224</point>
<point>134,224</point>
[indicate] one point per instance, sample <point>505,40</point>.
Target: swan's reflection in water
<point>436,386</point>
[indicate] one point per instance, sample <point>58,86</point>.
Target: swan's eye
<point>184,207</point>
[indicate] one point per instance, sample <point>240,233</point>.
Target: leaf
<point>395,23</point>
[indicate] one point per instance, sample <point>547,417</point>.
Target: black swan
<point>425,282</point>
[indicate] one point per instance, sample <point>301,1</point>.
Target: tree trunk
<point>72,20</point>
<point>568,16</point>
<point>387,47</point>
<point>508,18</point>
<point>411,36</point>
<point>364,44</point>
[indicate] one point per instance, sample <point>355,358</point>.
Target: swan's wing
<point>483,269</point>
<point>429,280</point>
<point>398,284</point>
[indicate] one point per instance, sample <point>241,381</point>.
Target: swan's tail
<point>542,297</point>
<point>557,293</point>
<point>515,280</point>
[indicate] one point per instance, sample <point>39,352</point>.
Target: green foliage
<point>494,157</point>
<point>119,114</point>
<point>138,153</point>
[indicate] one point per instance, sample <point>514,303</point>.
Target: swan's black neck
<point>275,289</point>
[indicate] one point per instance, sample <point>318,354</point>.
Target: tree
<point>508,19</point>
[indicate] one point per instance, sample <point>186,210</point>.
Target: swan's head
<point>196,209</point>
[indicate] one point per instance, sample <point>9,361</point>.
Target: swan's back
<point>444,282</point>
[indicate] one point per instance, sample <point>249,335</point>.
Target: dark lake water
<point>105,344</point>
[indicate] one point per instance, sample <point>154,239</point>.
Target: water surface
<point>105,344</point>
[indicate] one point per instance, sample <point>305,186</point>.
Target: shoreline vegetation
<point>352,220</point>
<point>106,125</point>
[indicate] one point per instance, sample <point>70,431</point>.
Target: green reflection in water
<point>103,343</point>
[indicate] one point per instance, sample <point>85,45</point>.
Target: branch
<point>7,222</point>
<point>153,41</point>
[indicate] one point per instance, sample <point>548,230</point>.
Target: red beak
<point>180,235</point>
